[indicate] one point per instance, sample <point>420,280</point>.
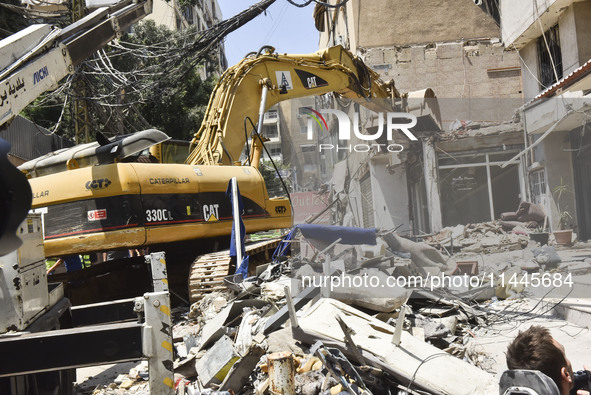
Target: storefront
<point>473,186</point>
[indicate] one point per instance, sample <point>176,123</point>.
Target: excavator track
<point>208,271</point>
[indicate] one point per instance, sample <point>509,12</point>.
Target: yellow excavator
<point>117,205</point>
<point>133,205</point>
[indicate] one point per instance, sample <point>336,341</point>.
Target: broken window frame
<point>367,211</point>
<point>547,61</point>
<point>538,185</point>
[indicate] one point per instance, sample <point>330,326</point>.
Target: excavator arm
<point>131,205</point>
<point>271,78</point>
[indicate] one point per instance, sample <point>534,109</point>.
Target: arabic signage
<point>11,90</point>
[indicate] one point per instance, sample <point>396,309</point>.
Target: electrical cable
<point>272,162</point>
<point>308,2</point>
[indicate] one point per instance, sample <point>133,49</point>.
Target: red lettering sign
<point>97,215</point>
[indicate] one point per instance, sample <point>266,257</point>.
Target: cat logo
<point>98,183</point>
<point>309,80</point>
<point>210,212</point>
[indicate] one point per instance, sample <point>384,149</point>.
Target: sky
<point>287,28</point>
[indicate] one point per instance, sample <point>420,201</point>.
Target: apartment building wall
<point>203,15</point>
<point>453,48</point>
<point>554,40</point>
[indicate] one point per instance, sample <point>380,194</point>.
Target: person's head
<point>536,349</point>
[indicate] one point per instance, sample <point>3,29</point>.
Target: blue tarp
<point>328,234</point>
<point>241,267</point>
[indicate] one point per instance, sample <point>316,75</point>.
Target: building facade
<point>553,41</point>
<point>450,176</point>
<point>203,15</point>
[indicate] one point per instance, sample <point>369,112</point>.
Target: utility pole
<point>81,116</point>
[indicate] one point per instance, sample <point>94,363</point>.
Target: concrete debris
<point>363,319</point>
<point>486,237</point>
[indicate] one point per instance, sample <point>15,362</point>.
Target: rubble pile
<point>308,324</point>
<point>511,232</point>
<point>486,237</point>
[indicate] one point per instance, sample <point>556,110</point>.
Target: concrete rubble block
<point>490,240</point>
<point>213,367</point>
<point>274,291</point>
<point>421,254</point>
<point>282,340</point>
<point>310,383</point>
<point>427,367</point>
<point>216,327</point>
<point>576,268</point>
<point>180,331</point>
<point>476,247</point>
<point>210,305</point>
<point>369,289</point>
<point>241,370</point>
<point>435,328</point>
<point>186,367</point>
<point>546,256</point>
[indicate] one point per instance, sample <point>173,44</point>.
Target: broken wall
<point>390,195</point>
<point>553,153</point>
<point>398,22</point>
<point>529,70</point>
<point>471,69</point>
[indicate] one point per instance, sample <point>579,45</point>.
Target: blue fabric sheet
<point>241,267</point>
<point>327,234</point>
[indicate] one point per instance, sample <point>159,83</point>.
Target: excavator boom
<point>131,205</point>
<point>238,94</point>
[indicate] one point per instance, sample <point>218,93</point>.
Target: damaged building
<point>477,163</point>
<point>552,39</point>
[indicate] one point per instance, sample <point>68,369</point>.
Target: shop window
<point>474,188</point>
<point>464,195</point>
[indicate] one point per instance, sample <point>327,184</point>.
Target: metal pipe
<point>262,107</point>
<point>281,373</point>
<point>396,339</point>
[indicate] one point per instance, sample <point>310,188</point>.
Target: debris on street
<point>359,311</point>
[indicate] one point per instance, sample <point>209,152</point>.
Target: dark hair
<point>535,349</point>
